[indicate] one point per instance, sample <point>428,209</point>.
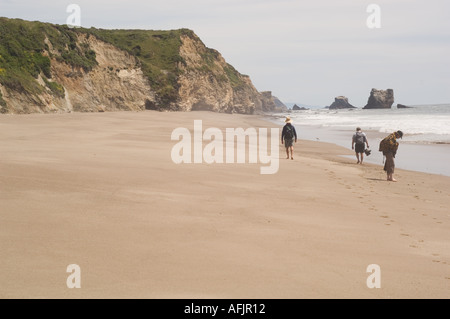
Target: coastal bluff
<point>47,68</point>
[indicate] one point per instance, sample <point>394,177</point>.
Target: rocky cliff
<point>51,68</point>
<point>280,106</point>
<point>380,99</point>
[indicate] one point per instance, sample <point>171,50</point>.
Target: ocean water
<point>422,124</point>
<point>425,146</point>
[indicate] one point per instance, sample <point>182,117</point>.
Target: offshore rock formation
<point>51,68</point>
<point>380,99</point>
<point>298,108</point>
<point>341,102</point>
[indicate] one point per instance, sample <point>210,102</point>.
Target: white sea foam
<point>423,124</point>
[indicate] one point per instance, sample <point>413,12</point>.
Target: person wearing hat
<point>389,147</point>
<point>288,137</point>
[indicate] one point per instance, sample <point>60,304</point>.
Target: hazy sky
<point>306,52</point>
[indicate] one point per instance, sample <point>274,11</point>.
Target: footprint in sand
<point>384,216</point>
<point>436,261</point>
<point>406,235</point>
<point>413,246</point>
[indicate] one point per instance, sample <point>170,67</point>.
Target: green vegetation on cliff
<point>234,76</point>
<point>27,48</point>
<point>157,52</point>
<point>24,53</point>
<point>2,104</point>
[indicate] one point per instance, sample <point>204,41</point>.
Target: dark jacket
<point>286,128</point>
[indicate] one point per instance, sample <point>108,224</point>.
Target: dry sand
<point>101,191</point>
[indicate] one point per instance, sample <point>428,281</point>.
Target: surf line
<point>219,150</point>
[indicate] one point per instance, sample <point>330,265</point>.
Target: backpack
<point>289,133</point>
<point>359,138</point>
<point>384,145</point>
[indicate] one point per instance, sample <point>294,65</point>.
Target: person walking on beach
<point>359,140</point>
<point>289,137</point>
<point>389,147</point>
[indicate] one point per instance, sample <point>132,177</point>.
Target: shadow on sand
<point>376,179</point>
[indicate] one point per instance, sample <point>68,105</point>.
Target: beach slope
<point>101,191</point>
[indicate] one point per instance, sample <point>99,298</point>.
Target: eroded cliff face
<point>116,79</point>
<point>208,82</point>
<point>18,102</point>
<point>116,83</point>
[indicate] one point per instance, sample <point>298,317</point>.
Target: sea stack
<point>341,102</point>
<point>298,108</point>
<point>380,99</point>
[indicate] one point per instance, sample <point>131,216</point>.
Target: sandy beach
<point>100,190</point>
